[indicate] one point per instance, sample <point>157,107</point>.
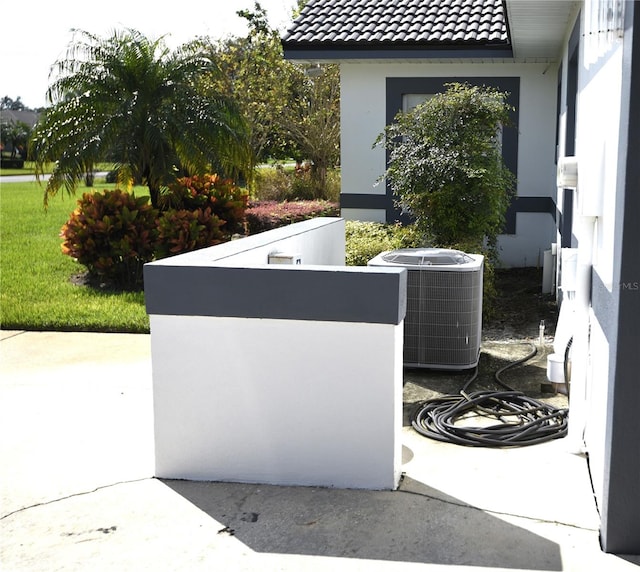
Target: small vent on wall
<point>284,258</point>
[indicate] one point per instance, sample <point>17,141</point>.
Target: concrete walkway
<point>29,178</point>
<point>78,493</point>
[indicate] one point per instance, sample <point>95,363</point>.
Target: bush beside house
<point>447,170</point>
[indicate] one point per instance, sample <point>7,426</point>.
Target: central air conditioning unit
<point>443,323</point>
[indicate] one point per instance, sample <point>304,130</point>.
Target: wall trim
<point>335,294</point>
<point>541,205</point>
<point>366,201</point>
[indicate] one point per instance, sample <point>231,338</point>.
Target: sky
<point>40,31</point>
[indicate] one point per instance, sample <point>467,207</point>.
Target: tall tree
<point>256,75</point>
<point>14,104</point>
<point>292,109</point>
<point>312,120</point>
<point>129,99</point>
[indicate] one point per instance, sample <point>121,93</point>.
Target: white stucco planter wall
<point>277,401</point>
<point>273,374</point>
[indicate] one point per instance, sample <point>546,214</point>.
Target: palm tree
<point>130,100</point>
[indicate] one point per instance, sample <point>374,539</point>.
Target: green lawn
<point>36,292</point>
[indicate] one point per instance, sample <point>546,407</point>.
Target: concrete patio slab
<point>78,492</point>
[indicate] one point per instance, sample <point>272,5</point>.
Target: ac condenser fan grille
<point>443,323</point>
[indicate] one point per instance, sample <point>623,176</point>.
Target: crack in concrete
<point>245,516</point>
<point>497,512</point>
<point>72,495</point>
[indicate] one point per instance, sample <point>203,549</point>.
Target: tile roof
<point>395,23</point>
<point>14,116</point>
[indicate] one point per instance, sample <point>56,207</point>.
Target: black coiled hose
<point>521,420</point>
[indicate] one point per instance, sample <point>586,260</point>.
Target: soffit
<point>538,27</point>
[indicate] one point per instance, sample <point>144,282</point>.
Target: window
<point>411,100</point>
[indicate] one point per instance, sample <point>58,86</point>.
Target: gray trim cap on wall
<point>321,293</point>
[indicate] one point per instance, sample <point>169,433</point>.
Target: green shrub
<point>446,166</point>
<point>113,234</point>
<point>296,184</point>
<point>267,215</point>
<point>185,230</point>
<point>226,201</point>
<point>365,240</point>
<point>272,184</point>
<point>303,187</point>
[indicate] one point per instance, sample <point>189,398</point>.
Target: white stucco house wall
<point>573,71</point>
